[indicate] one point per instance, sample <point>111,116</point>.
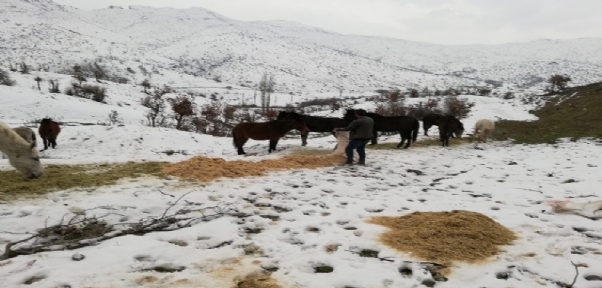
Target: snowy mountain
<point>156,41</point>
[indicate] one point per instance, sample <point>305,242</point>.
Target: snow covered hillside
<point>153,41</point>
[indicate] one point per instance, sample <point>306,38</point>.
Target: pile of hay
<point>207,169</point>
<point>258,281</point>
<point>443,237</point>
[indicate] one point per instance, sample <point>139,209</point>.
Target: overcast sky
<point>434,21</point>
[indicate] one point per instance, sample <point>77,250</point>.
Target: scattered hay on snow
<point>62,177</point>
<point>207,169</point>
<point>443,237</point>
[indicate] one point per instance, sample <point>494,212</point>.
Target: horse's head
<point>349,114</point>
<point>459,129</point>
<point>27,160</point>
<point>301,126</point>
<point>283,115</point>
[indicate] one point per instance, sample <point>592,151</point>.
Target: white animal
<point>27,134</point>
<point>482,129</point>
<point>342,141</point>
<point>592,209</point>
<point>21,154</point>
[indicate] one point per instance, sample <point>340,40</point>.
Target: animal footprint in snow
<point>374,209</point>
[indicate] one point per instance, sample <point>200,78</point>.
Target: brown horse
<point>448,126</point>
<point>49,130</point>
<point>273,131</point>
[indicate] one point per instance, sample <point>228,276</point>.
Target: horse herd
<point>19,144</point>
<point>407,127</point>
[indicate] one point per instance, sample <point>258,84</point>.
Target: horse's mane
<point>8,136</point>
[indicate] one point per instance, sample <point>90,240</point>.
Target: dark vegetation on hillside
<point>574,113</point>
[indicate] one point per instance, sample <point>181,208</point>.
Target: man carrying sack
<point>360,134</point>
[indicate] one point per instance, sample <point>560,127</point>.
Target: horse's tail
<point>415,132</point>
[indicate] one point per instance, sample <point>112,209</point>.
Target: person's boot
<point>362,162</point>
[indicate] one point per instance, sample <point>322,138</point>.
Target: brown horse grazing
<point>448,126</point>
<point>273,131</point>
<point>49,130</point>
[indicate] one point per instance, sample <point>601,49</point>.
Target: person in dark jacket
<point>360,134</point>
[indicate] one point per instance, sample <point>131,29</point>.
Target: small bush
<point>92,92</point>
<point>460,108</point>
<point>54,86</point>
<point>5,79</point>
<point>420,109</point>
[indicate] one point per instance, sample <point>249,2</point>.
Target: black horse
<point>434,119</point>
<point>406,126</point>
<point>429,121</point>
<point>314,123</point>
<point>448,126</point>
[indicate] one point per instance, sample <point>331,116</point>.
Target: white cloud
<point>435,21</point>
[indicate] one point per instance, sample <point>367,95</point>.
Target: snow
<point>313,208</point>
<point>311,60</point>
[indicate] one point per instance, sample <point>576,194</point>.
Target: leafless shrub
<point>460,108</point>
<point>422,108</point>
<point>5,79</point>
<point>183,108</point>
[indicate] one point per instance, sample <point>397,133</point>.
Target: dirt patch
<point>420,143</point>
<point>443,237</point>
<point>262,280</point>
<point>62,177</point>
<point>208,169</point>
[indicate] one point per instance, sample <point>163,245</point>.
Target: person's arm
<point>351,126</point>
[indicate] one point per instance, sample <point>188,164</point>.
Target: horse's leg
<point>374,138</point>
<point>241,142</point>
<point>402,140</point>
<point>426,128</point>
<point>485,135</point>
<point>273,143</point>
<point>304,138</point>
<point>53,142</point>
<point>408,135</point>
<point>46,143</point>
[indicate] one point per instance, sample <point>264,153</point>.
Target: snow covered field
<point>299,213</point>
<point>295,215</point>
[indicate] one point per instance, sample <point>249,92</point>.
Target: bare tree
<point>54,86</point>
<point>99,73</point>
<point>156,105</point>
<point>38,79</point>
<point>558,82</point>
<point>266,87</point>
<point>24,68</point>
<point>79,74</point>
<point>182,107</point>
<point>146,85</point>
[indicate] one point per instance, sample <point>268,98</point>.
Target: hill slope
<point>574,113</point>
<point>151,41</point>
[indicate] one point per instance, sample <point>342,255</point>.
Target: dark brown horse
<point>448,126</point>
<point>273,131</point>
<point>49,130</point>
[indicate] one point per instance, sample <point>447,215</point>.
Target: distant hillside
<point>155,41</point>
<point>575,113</point>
